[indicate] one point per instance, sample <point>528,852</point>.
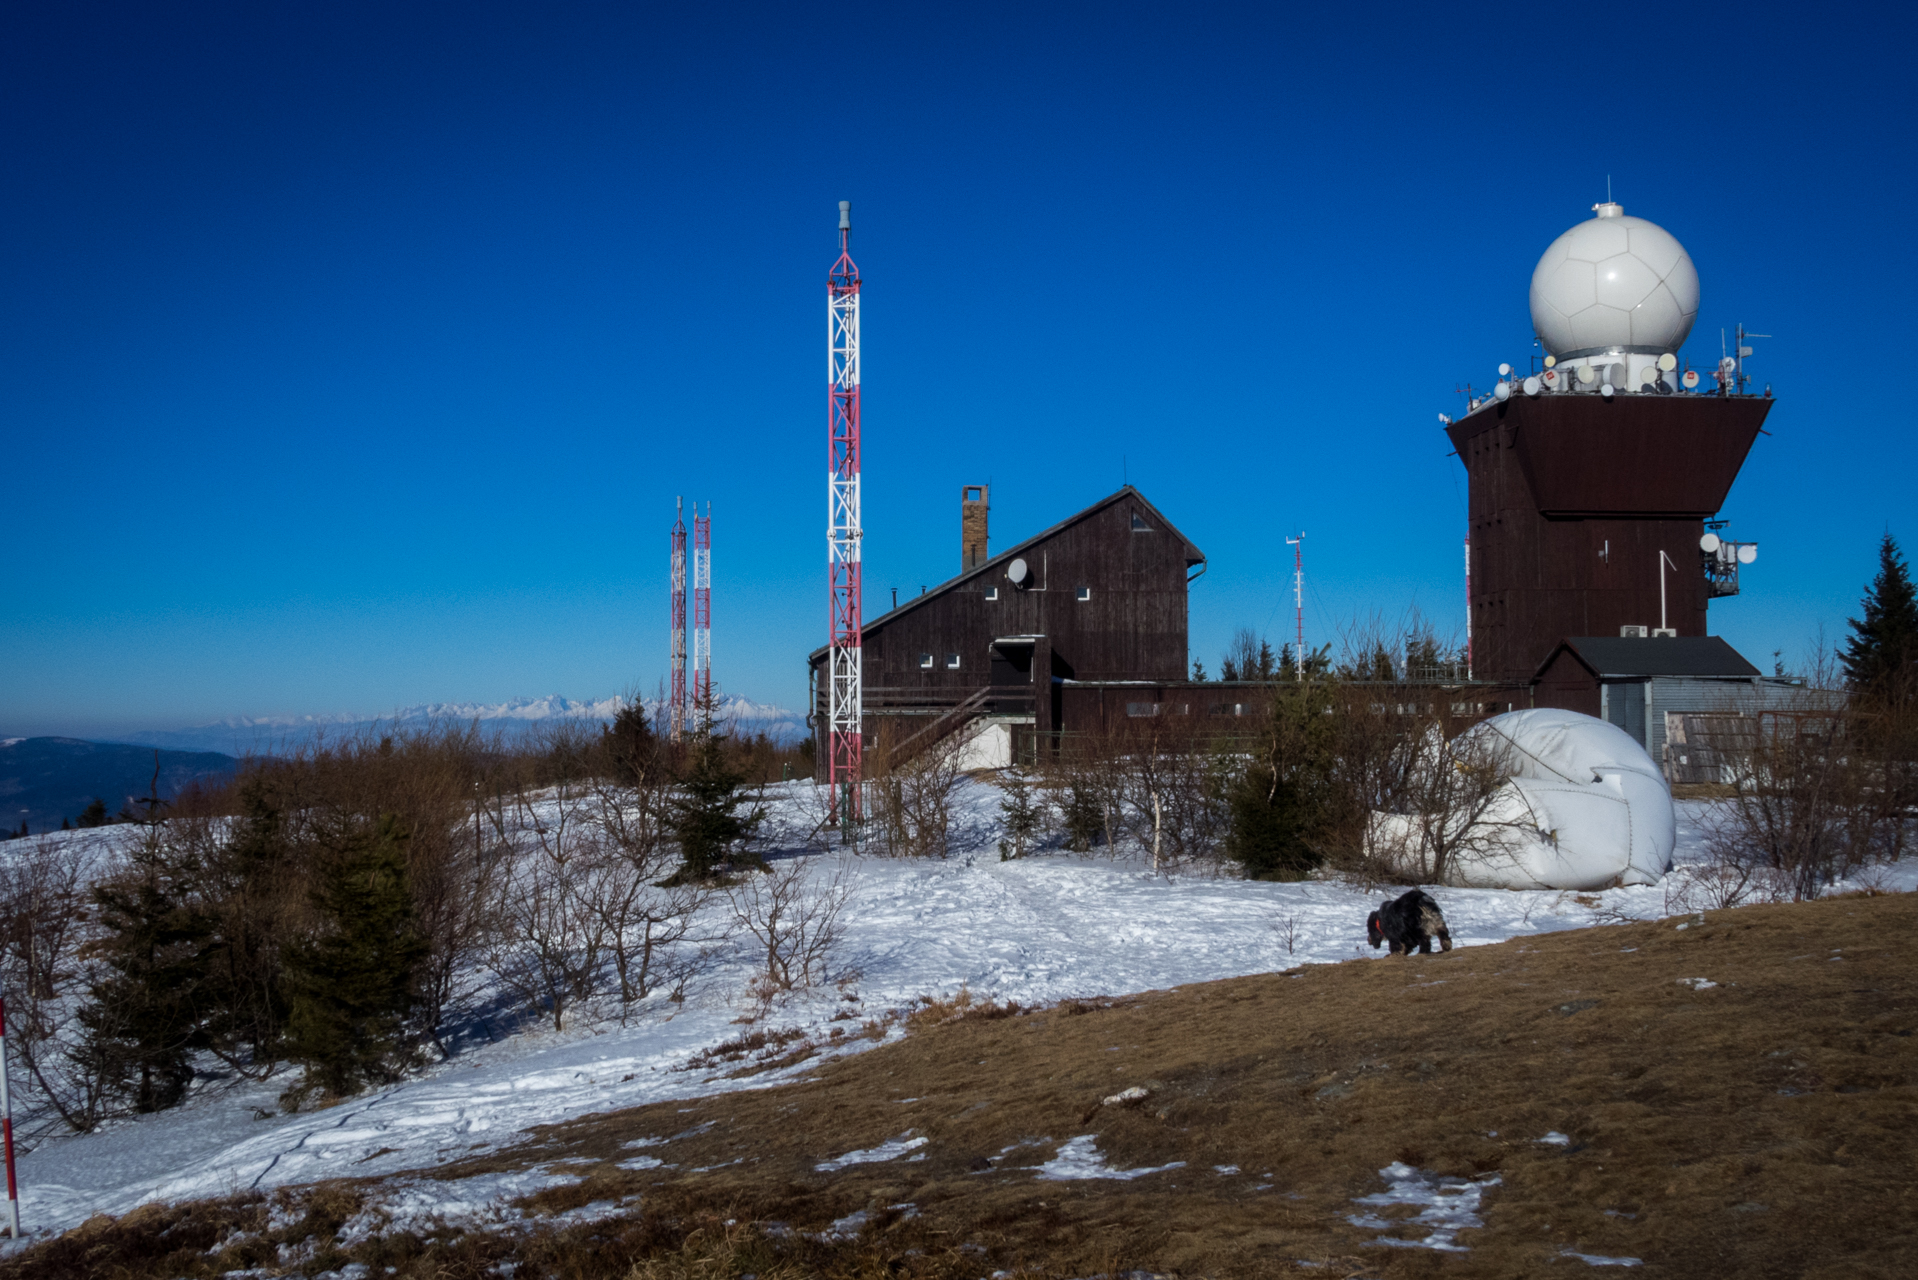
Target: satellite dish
<point>1587,374</point>
<point>1708,543</point>
<point>1019,573</point>
<point>1606,391</point>
<point>1503,391</point>
<point>1647,376</point>
<point>1747,552</point>
<point>1551,362</point>
<point>1533,385</point>
<point>1690,379</point>
<point>1504,370</point>
<point>1667,362</point>
<point>1615,374</point>
<point>1728,364</point>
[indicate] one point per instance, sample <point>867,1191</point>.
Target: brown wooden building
<point>1036,633</point>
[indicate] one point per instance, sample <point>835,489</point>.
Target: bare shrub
<point>912,797</point>
<point>793,920</point>
<point>42,923</point>
<point>1172,789</point>
<point>1089,790</point>
<point>547,942</point>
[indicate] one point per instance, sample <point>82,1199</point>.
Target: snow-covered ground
<point>1045,928</point>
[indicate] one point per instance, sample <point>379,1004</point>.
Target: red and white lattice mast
<point>676,693</point>
<point>703,607</point>
<point>845,685</point>
<point>1298,600</point>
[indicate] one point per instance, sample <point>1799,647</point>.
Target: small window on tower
<point>925,661</point>
<point>992,593</point>
<point>1085,593</point>
<point>952,662</point>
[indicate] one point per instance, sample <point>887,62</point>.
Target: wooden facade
<point>1573,497</point>
<point>1101,596</point>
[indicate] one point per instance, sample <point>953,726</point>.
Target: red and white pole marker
<point>6,1128</point>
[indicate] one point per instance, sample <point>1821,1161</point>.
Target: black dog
<point>1409,923</point>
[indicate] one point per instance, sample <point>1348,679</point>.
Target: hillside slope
<point>43,780</point>
<point>1731,1095</point>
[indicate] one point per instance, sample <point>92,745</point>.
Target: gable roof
<point>1193,555</point>
<point>1614,656</point>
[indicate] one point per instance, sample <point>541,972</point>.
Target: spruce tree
<point>144,1020</point>
<point>246,977</point>
<point>706,820</point>
<point>1278,803</point>
<point>1023,817</point>
<point>349,989</point>
<point>1883,649</point>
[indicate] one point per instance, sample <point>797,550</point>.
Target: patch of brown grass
<point>1759,1127</point>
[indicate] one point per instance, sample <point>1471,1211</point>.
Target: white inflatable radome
<point>1584,808</point>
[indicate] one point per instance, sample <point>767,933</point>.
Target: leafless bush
<point>1287,930</point>
<point>1442,807</point>
<point>547,942</point>
<point>1088,790</point>
<point>1172,784</point>
<point>650,930</point>
<point>42,927</point>
<point>912,797</point>
<point>1822,790</point>
<point>793,919</point>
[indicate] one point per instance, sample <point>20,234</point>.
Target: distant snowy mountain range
<point>240,735</point>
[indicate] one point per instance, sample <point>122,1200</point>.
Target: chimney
<point>972,526</point>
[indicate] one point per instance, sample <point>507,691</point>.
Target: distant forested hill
<point>43,780</point>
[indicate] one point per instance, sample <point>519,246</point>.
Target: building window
<point>925,662</point>
<point>992,593</point>
<point>1085,593</point>
<point>1142,708</point>
<point>1228,708</point>
<point>952,662</point>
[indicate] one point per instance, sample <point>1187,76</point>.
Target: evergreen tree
<point>629,744</point>
<point>94,815</point>
<point>1883,648</point>
<point>707,821</point>
<point>1023,817</point>
<point>1198,672</point>
<point>1268,662</point>
<point>146,1017</point>
<point>1278,802</point>
<point>247,975</point>
<point>349,990</point>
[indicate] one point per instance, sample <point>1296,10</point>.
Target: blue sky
<point>351,356</point>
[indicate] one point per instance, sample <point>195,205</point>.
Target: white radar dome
<point>1614,284</point>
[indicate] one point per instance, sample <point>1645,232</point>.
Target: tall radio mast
<point>703,608</point>
<point>843,534</point>
<point>676,696</point>
<point>1298,600</point>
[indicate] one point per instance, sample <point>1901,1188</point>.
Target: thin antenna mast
<point>1468,606</point>
<point>703,608</point>
<point>1298,600</point>
<point>676,696</point>
<point>845,692</point>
